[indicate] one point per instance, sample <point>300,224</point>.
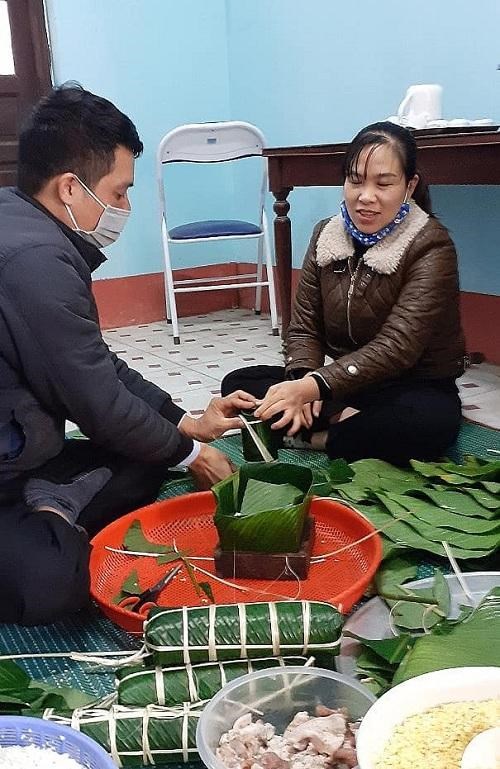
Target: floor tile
<point>195,401</point>
<point>215,344</point>
<point>179,379</point>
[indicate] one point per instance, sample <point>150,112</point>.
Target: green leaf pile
<point>429,503</point>
<point>470,641</point>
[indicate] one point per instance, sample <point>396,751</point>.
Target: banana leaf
<point>393,573</point>
<point>472,641</point>
<point>462,505</point>
<point>263,507</point>
<point>138,736</point>
<point>20,694</point>
<point>398,503</point>
<point>379,659</point>
<point>239,631</point>
<point>375,475</point>
<point>140,686</point>
<point>485,498</point>
<point>410,615</point>
<point>260,496</point>
<point>458,474</point>
<point>402,533</point>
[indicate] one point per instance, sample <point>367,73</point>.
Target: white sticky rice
<point>33,757</point>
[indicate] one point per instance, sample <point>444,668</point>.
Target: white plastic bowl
<point>419,694</point>
<point>279,693</point>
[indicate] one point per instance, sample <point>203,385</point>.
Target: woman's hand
<point>289,398</point>
<point>219,417</point>
<point>311,411</point>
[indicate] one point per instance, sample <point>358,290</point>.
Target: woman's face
<point>374,193</point>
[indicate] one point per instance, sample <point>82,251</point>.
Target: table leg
<point>283,247</point>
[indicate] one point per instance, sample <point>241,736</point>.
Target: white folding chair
<point>215,143</point>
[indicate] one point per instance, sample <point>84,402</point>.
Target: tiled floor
<point>212,345</point>
<point>480,393</point>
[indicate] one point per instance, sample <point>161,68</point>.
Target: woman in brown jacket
<point>379,296</point>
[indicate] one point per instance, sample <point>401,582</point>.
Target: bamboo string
<point>147,756</point>
<point>460,577</point>
<point>242,616</point>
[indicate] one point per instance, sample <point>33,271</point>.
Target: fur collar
<point>334,243</point>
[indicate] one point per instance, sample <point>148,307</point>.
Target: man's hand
<point>289,398</point>
<point>209,467</point>
<point>219,417</point>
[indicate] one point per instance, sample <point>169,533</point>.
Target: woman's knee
<point>255,380</point>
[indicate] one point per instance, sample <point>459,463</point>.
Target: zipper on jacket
<point>349,296</point>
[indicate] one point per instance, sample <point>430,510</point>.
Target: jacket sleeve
<point>430,284</point>
<point>303,346</point>
<point>68,366</point>
<point>157,398</point>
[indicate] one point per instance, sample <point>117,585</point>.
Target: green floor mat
<point>91,632</point>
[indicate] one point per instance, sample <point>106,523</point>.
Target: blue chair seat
<point>214,228</point>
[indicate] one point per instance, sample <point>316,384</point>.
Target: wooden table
<point>459,158</point>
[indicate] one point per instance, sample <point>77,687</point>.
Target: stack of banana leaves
<point>429,504</point>
<point>426,640</point>
<point>192,653</point>
<point>434,513</point>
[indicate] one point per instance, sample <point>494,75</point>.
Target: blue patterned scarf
<point>371,240</point>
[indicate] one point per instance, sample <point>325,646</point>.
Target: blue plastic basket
<point>24,730</point>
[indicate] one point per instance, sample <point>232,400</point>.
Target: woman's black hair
<point>404,145</point>
<point>74,130</point>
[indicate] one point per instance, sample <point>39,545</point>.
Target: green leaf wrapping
<point>277,528</point>
<point>139,736</point>
<point>141,686</point>
<point>239,631</point>
<point>473,641</point>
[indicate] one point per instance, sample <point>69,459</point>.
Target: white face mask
<point>110,224</point>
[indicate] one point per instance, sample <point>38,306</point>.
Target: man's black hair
<point>72,130</point>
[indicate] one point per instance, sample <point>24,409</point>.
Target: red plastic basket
<point>188,521</point>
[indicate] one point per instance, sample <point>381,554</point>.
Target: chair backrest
<point>210,142</point>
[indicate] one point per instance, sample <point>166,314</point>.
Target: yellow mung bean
<point>438,737</point>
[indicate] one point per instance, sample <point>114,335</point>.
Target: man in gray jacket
<point>76,165</point>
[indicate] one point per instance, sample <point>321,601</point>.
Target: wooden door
<point>24,73</point>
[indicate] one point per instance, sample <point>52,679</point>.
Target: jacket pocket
<point>42,432</point>
<point>12,440</point>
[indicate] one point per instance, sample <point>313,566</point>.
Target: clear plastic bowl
<point>279,693</point>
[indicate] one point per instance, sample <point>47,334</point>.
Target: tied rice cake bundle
<point>240,631</point>
<point>141,686</point>
<point>138,736</point>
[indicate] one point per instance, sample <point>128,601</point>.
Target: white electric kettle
<point>421,104</point>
